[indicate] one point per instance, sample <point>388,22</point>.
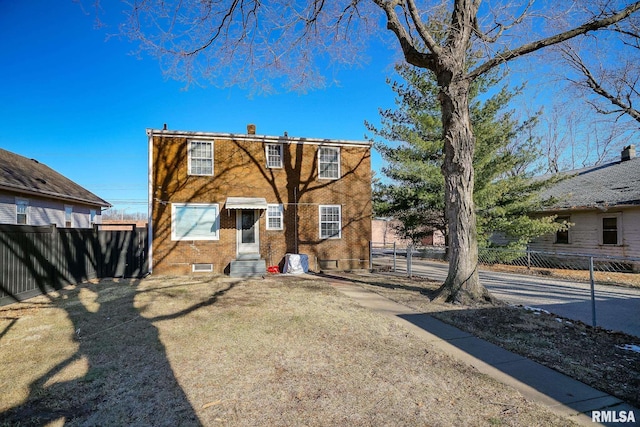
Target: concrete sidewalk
<point>562,394</point>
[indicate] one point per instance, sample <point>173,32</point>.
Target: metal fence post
<point>409,255</point>
<point>593,292</point>
<point>528,260</point>
<point>394,257</point>
<point>370,256</point>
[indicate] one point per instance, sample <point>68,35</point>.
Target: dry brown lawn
<point>594,356</point>
<point>217,351</point>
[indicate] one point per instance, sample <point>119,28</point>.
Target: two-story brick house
<point>218,200</point>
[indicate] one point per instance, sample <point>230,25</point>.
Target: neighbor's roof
<point>602,186</point>
<point>28,176</point>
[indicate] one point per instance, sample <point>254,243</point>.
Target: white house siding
<point>585,235</point>
<point>44,212</point>
<point>7,209</point>
<point>82,217</point>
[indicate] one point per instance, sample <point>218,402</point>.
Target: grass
<point>217,351</point>
<point>594,356</point>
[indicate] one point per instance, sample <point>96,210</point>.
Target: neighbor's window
<point>275,215</point>
<point>611,230</point>
<point>195,221</point>
<point>68,216</point>
<point>330,222</point>
<point>274,155</point>
<point>562,236</point>
<point>22,208</point>
<point>92,217</point>
<point>200,158</point>
<point>329,162</point>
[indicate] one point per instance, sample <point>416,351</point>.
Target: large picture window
<point>195,221</point>
<point>200,158</point>
<point>274,217</point>
<point>329,162</point>
<point>330,222</point>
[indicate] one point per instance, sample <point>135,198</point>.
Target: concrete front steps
<point>248,265</point>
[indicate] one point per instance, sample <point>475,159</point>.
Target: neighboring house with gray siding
<point>32,193</point>
<point>603,205</point>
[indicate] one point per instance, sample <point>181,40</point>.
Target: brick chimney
<point>628,153</point>
<point>251,129</point>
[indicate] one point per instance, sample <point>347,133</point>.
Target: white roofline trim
<point>257,138</point>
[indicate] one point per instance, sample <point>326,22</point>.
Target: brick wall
<point>240,171</point>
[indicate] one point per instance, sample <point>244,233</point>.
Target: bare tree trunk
<point>462,283</point>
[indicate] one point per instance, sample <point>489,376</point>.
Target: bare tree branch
<point>510,54</point>
<point>591,82</point>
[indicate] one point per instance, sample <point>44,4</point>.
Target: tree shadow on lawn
<point>128,379</point>
<point>429,292</point>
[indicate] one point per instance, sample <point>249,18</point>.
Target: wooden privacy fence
<point>38,259</point>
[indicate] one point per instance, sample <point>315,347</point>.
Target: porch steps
<point>248,265</point>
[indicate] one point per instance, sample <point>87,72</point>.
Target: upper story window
<point>611,231</point>
<point>275,216</point>
<point>200,158</point>
<point>274,155</point>
<point>329,162</point>
<point>68,216</point>
<point>22,210</point>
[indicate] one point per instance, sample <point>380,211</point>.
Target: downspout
<point>150,202</point>
<point>295,221</point>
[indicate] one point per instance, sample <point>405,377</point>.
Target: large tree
<point>505,192</point>
<point>285,39</point>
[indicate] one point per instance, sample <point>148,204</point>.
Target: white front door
<point>247,227</point>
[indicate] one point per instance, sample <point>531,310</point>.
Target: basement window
<point>202,268</point>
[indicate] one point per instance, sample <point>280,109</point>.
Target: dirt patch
<point>597,357</point>
<point>211,350</point>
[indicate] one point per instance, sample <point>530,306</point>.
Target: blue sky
<point>80,102</point>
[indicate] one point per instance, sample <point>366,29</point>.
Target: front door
<point>248,231</point>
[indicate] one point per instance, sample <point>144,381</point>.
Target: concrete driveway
<point>617,308</point>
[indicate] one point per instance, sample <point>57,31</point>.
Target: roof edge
<point>257,138</point>
<point>57,196</point>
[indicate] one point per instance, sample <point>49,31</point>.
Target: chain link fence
<point>576,267</point>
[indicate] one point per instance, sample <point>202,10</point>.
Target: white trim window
<point>275,217</point>
<point>195,221</point>
<point>201,158</point>
<point>68,216</point>
<point>330,222</point>
<point>329,162</point>
<point>273,153</point>
<point>92,217</point>
<point>22,211</point>
<point>611,229</point>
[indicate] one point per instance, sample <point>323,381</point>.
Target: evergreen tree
<point>505,190</point>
